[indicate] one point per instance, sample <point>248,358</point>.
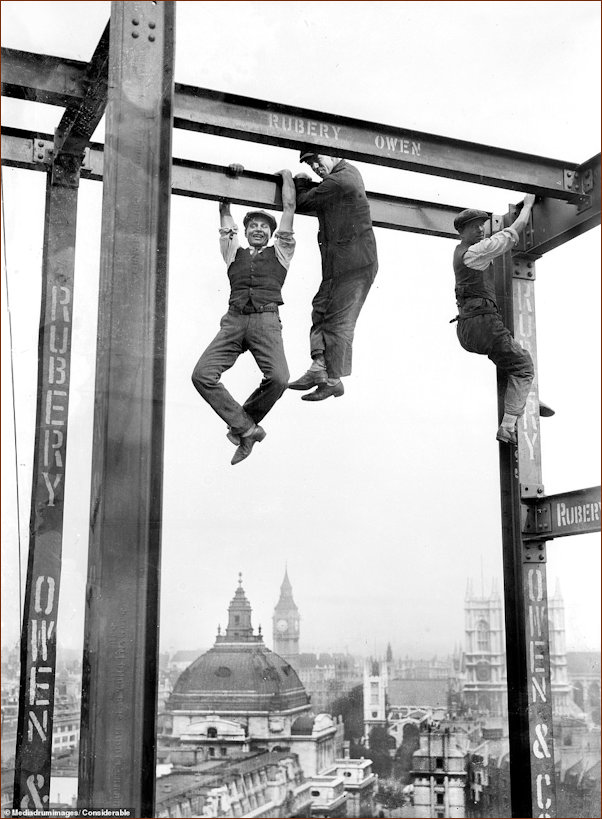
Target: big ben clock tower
<point>285,624</point>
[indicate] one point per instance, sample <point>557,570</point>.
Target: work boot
<point>505,435</point>
<point>545,411</point>
<point>310,379</point>
<point>247,442</point>
<point>325,391</point>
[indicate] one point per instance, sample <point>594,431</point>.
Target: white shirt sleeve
<point>480,255</point>
<point>228,243</point>
<point>284,245</point>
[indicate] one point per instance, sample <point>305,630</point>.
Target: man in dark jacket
<point>349,265</point>
<point>256,275</point>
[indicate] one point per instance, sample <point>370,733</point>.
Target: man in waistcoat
<point>480,327</point>
<point>349,265</point>
<point>252,323</point>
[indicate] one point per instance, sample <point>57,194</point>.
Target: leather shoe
<point>325,391</point>
<point>545,411</point>
<point>247,442</point>
<point>308,380</point>
<point>506,436</point>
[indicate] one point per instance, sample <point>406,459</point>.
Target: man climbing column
<point>256,275</point>
<point>349,265</point>
<point>480,327</point>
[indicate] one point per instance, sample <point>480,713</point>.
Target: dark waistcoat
<point>256,279</point>
<point>470,283</point>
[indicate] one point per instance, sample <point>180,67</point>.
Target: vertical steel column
<point>38,635</point>
<point>119,687</point>
<point>532,781</point>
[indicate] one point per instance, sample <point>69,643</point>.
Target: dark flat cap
<point>309,150</point>
<point>262,215</point>
<point>469,215</point>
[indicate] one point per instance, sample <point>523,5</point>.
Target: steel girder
<point>52,80</point>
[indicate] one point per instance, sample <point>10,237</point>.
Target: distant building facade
<point>241,709</point>
<point>439,775</point>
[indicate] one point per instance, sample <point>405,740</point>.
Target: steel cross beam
<point>22,149</point>
<point>43,78</point>
<point>80,119</point>
<point>568,513</point>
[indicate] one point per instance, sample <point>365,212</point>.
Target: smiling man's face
<point>258,232</point>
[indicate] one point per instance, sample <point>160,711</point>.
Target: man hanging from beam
<point>349,265</point>
<point>252,323</point>
<point>480,327</point>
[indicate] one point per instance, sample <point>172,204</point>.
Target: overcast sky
<point>385,502</point>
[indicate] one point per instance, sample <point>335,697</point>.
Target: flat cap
<point>262,215</point>
<point>309,150</point>
<point>469,215</point>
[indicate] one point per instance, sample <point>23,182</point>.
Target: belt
<point>482,311</point>
<point>264,308</point>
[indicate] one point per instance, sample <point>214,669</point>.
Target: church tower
<point>561,688</point>
<point>485,654</point>
<point>285,624</point>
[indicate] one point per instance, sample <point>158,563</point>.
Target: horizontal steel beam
<point>200,109</point>
<point>554,222</point>
<point>568,513</point>
<point>37,76</point>
<point>21,149</point>
<point>42,78</point>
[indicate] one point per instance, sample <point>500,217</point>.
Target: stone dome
<point>239,673</point>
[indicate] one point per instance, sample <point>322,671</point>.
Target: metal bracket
<point>523,268</point>
<point>42,151</point>
<point>581,181</point>
<point>534,551</point>
<point>572,181</point>
<point>588,180</point>
<point>531,491</point>
<point>538,518</point>
<point>65,171</point>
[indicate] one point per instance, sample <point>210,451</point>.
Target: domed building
<point>238,697</point>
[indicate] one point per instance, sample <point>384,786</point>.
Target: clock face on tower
<point>282,626</point>
<point>483,672</point>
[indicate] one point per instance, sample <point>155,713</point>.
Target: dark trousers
<point>487,335</point>
<point>261,334</point>
<point>335,310</point>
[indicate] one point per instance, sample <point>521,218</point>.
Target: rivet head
<point>135,34</point>
<point>40,156</point>
<point>151,37</point>
<point>541,557</point>
<point>135,21</point>
<point>152,25</point>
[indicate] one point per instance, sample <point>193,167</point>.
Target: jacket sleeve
<point>316,197</point>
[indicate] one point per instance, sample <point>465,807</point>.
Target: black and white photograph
<point>300,408</point>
